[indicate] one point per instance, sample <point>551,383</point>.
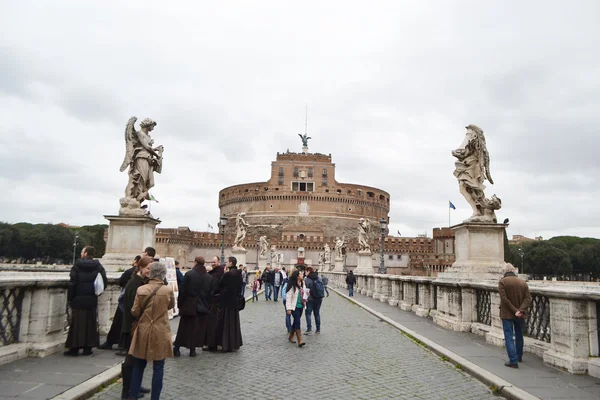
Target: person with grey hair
<point>515,300</point>
<point>151,339</point>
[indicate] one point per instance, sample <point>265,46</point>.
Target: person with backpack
<point>316,289</point>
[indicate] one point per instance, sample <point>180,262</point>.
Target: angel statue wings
<point>472,168</point>
<point>304,139</point>
<point>142,159</point>
<point>364,229</point>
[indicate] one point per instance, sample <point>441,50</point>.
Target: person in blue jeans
<point>515,300</point>
<point>151,340</point>
<point>313,305</point>
<point>288,318</point>
<point>350,281</point>
<point>267,279</point>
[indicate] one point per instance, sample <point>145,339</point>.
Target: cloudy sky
<point>389,87</point>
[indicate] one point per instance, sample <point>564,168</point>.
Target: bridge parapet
<point>562,325</point>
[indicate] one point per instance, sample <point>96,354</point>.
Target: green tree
<point>546,259</point>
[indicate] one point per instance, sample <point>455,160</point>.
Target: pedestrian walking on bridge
<point>515,300</point>
<point>294,302</point>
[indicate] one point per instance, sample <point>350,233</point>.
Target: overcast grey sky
<point>389,86</point>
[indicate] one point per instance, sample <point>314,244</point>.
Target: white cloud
<point>389,87</point>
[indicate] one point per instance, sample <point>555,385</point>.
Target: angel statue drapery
<point>143,160</point>
<point>364,229</point>
<point>472,169</point>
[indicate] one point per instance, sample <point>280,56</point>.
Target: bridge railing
<point>562,326</point>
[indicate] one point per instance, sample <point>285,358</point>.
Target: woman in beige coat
<point>151,340</point>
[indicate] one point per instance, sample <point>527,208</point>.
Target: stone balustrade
<point>34,317</point>
<point>562,325</point>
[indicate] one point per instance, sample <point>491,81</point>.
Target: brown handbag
<point>135,324</point>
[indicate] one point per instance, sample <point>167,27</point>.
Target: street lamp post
<point>522,265</point>
<point>222,224</point>
<point>383,225</point>
<point>345,253</point>
<point>75,247</point>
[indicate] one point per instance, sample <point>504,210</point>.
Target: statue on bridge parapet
<point>143,160</point>
<point>327,255</point>
<point>472,168</point>
<point>241,228</point>
<point>264,247</point>
<point>364,229</point>
<point>339,245</point>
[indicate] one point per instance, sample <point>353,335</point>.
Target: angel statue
<point>339,245</point>
<point>143,160</point>
<point>304,139</point>
<point>364,228</point>
<point>327,254</point>
<point>472,169</point>
<point>264,247</point>
<point>240,226</point>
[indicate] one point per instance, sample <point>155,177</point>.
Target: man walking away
<point>325,283</point>
<point>277,282</point>
<point>350,281</point>
<point>316,293</point>
<point>515,300</point>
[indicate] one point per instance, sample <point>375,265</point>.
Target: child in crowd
<point>255,286</point>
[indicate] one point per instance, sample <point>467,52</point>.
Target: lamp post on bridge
<point>222,224</point>
<point>75,247</point>
<point>383,225</point>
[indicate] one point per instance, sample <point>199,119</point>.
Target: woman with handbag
<point>82,298</point>
<point>294,303</point>
<point>151,335</point>
<point>140,274</point>
<point>193,301</point>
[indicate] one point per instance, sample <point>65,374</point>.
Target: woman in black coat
<point>194,305</point>
<point>229,333</point>
<point>81,295</point>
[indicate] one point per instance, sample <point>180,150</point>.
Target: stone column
<point>570,323</point>
<point>409,296</point>
<point>127,238</point>
<point>240,254</point>
<point>370,284</point>
<point>339,265</point>
<point>395,298</point>
<point>365,263</point>
<point>384,294</point>
<point>424,305</point>
<point>364,280</point>
<point>262,262</point>
<point>376,286</point>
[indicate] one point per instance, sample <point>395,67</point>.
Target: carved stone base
<point>128,236</point>
<point>240,254</point>
<point>339,265</point>
<point>393,302</point>
<point>479,253</point>
<point>365,264</point>
<point>262,262</point>
<point>572,364</point>
<point>451,322</point>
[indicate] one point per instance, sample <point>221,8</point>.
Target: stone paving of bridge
<point>355,357</point>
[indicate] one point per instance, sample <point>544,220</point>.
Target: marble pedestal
<point>262,262</point>
<point>339,265</point>
<point>128,236</point>
<point>240,254</point>
<point>365,264</point>
<point>479,253</point>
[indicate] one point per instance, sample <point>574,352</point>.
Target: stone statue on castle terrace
<point>327,254</point>
<point>264,247</point>
<point>273,255</point>
<point>143,160</point>
<point>472,168</point>
<point>241,226</point>
<point>364,229</point>
<point>339,245</point>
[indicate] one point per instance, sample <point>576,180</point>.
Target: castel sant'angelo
<point>302,205</point>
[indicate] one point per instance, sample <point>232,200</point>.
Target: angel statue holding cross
<point>143,160</point>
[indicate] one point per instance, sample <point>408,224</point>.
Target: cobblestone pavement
<point>355,357</point>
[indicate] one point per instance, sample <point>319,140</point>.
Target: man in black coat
<point>228,332</point>
<point>216,274</point>
<point>81,295</point>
